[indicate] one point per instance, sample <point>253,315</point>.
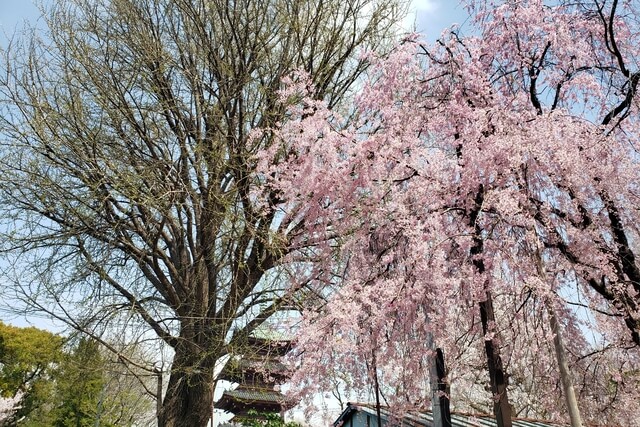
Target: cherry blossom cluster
<point>502,164</point>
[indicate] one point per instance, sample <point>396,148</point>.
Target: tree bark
<point>188,401</point>
<point>501,406</point>
<point>439,389</point>
<point>189,396</point>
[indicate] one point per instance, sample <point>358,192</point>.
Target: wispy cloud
<point>418,11</point>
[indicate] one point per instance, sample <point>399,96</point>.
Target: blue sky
<point>429,16</point>
<point>13,14</point>
<point>14,11</point>
<point>433,16</point>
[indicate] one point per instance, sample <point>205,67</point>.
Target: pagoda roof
<point>256,395</point>
<point>267,346</point>
<point>238,369</point>
<point>243,399</point>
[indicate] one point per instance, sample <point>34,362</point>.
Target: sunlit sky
<point>13,15</point>
<point>429,16</point>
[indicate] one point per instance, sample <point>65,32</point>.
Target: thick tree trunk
<point>189,396</point>
<point>501,406</point>
<point>440,405</point>
<point>188,399</point>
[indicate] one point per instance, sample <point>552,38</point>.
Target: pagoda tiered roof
<point>242,368</point>
<point>257,371</point>
<point>241,400</point>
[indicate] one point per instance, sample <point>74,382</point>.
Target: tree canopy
<point>487,186</point>
<point>27,356</point>
<point>127,163</point>
<point>50,380</point>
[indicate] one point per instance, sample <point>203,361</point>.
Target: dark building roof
<point>266,346</point>
<point>264,369</point>
<point>255,395</point>
<point>242,400</point>
<point>425,419</point>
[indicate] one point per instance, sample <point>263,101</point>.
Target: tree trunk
<point>189,396</point>
<point>440,405</point>
<point>501,406</point>
<point>188,400</point>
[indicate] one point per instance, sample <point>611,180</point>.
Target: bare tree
<point>127,165</point>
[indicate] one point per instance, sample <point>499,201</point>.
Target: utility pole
<point>158,372</point>
<point>99,407</point>
<point>563,366</point>
<point>565,374</point>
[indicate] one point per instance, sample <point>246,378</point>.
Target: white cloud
<point>418,10</point>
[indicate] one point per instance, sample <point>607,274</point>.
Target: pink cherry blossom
<point>459,166</point>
